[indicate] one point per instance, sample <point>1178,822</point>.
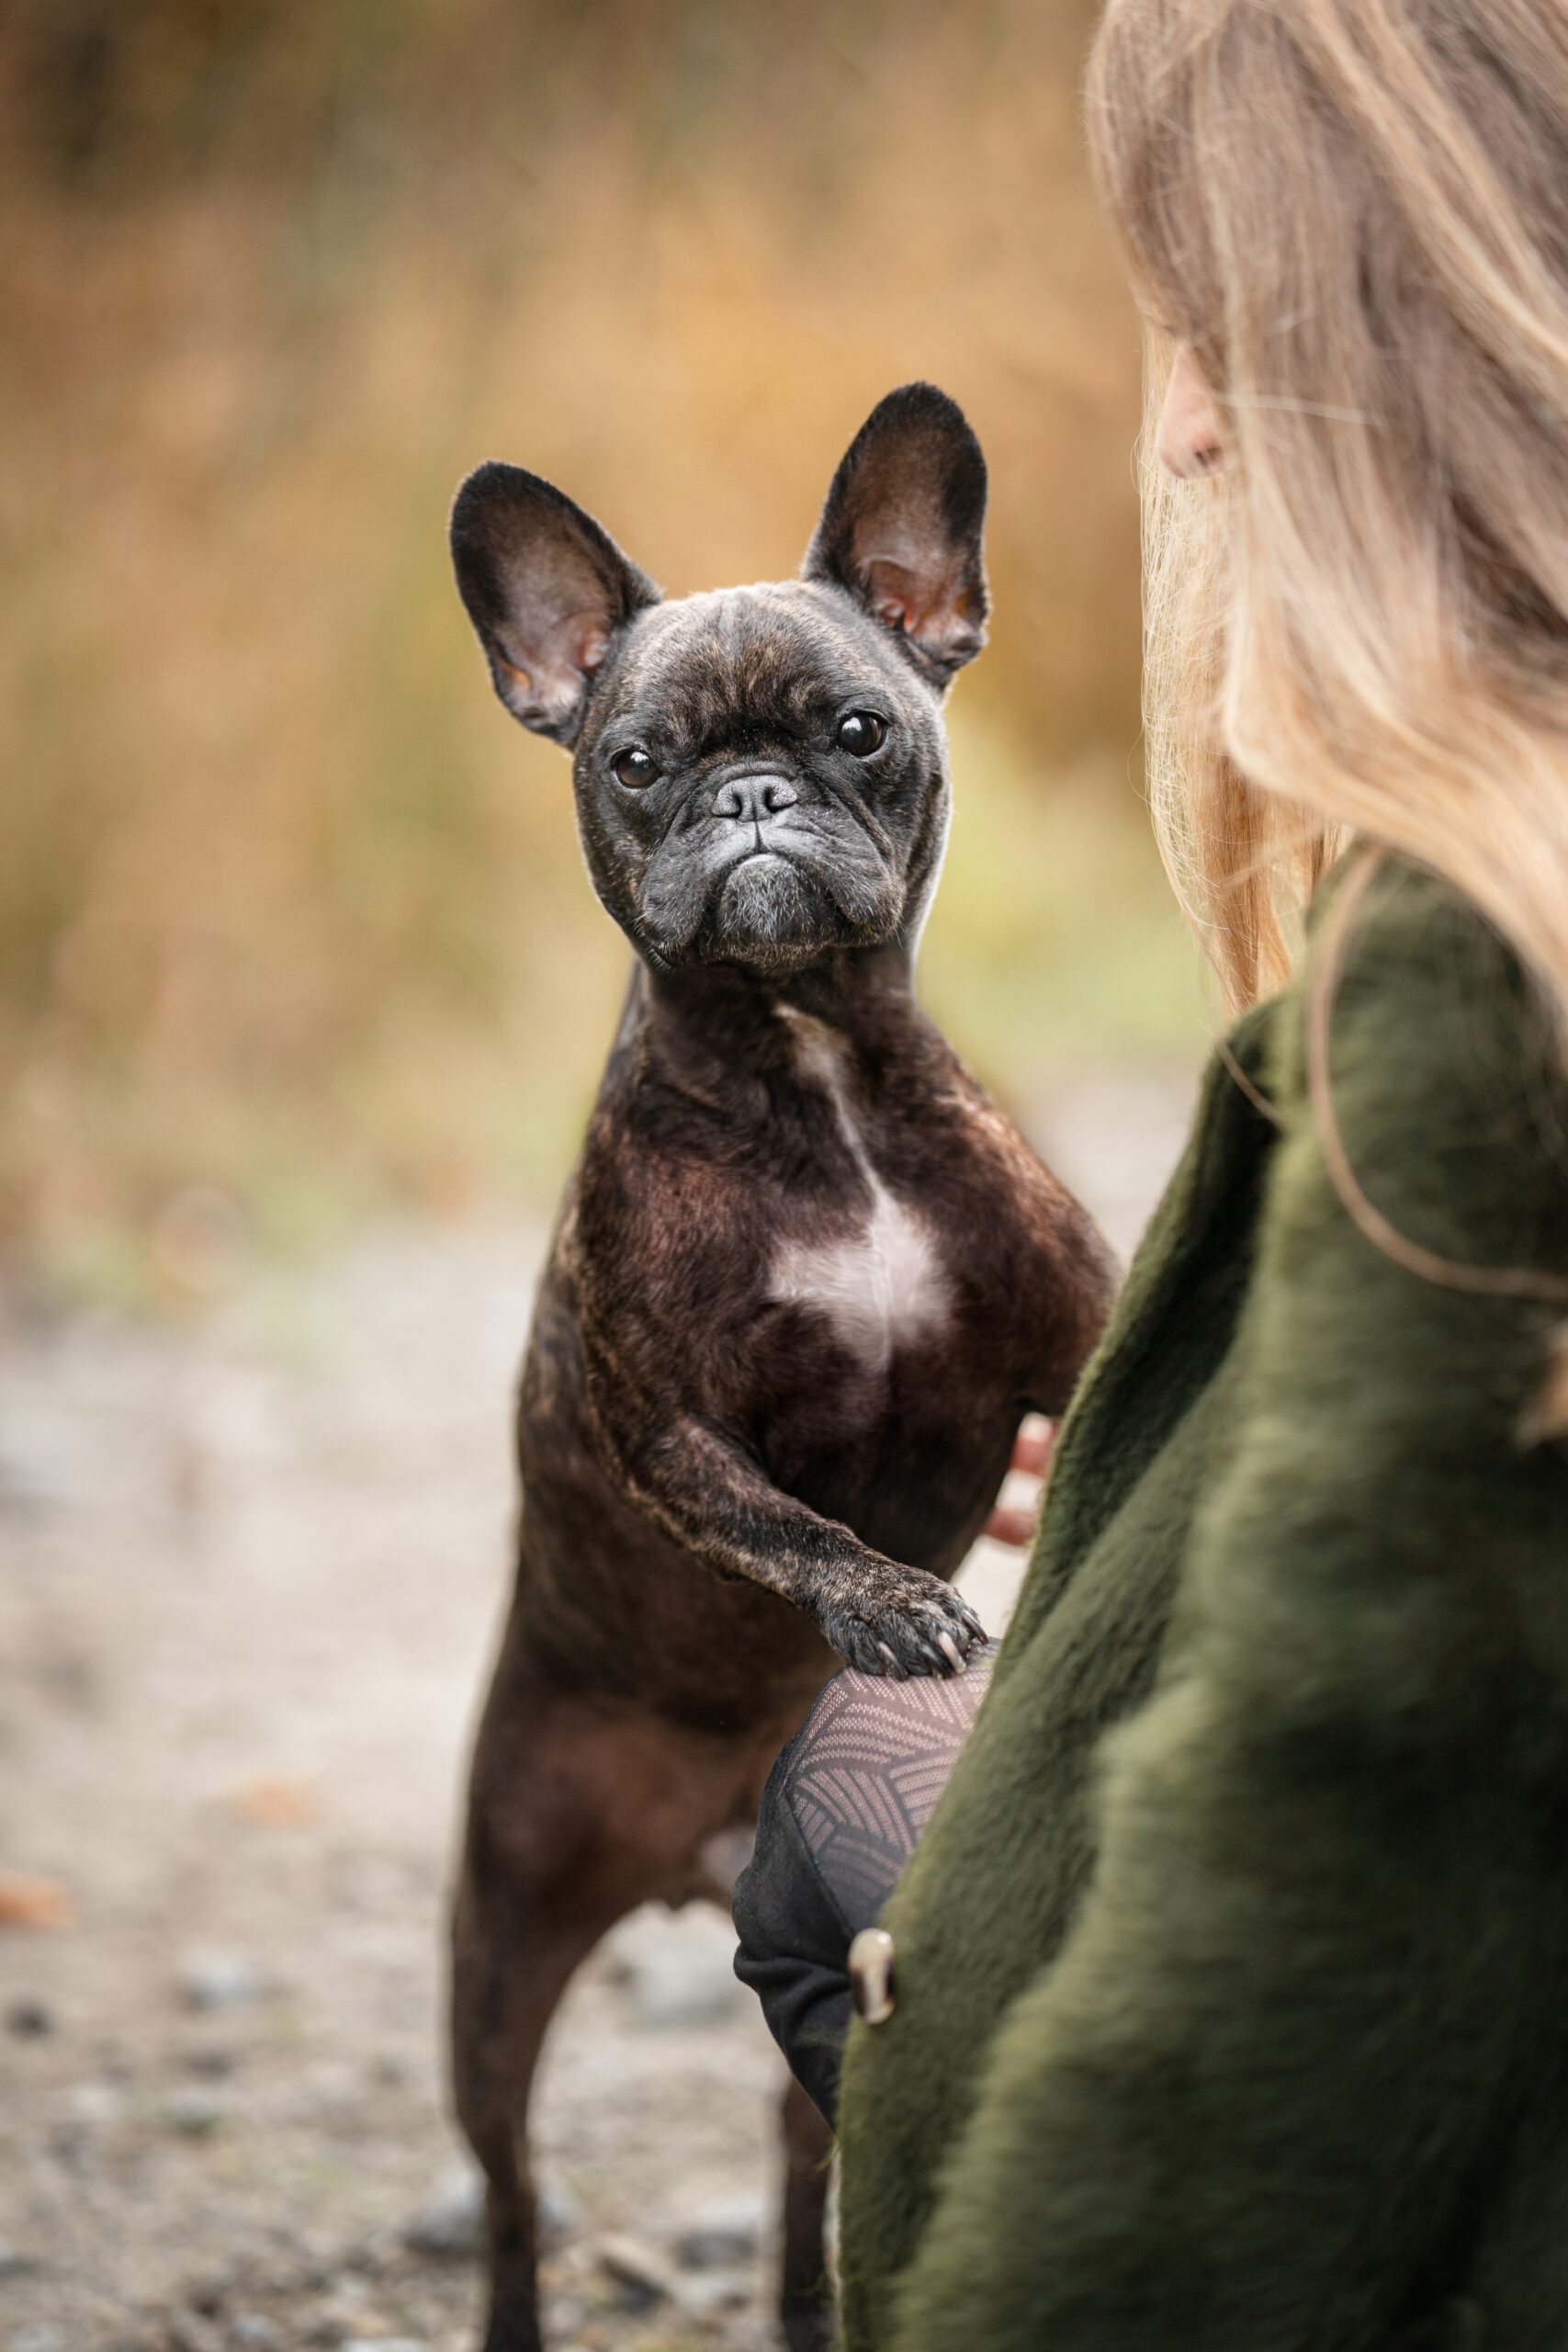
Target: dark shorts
<point>841,1814</point>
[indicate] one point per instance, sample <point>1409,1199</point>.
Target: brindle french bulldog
<point>806,1278</point>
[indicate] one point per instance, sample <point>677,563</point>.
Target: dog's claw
<point>929,1629</point>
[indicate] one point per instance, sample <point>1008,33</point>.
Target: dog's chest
<point>883,1285</point>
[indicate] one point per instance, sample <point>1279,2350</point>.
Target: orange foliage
<point>278,882</point>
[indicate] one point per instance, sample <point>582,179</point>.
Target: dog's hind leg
<point>579,1809</point>
<point>534,1898</point>
<point>805,2292</point>
<point>511,1963</point>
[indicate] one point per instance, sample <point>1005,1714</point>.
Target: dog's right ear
<point>546,589</point>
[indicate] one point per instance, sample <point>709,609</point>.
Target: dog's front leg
<point>703,1489</point>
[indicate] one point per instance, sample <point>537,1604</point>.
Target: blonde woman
<point>1231,1976</point>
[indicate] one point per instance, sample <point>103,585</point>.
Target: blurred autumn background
<point>289,910</point>
<point>304,995</point>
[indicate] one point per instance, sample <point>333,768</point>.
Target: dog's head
<point>760,773</point>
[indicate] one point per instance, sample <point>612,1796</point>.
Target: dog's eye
<point>634,768</point>
<point>861,733</point>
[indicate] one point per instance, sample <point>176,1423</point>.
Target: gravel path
<point>250,1564</point>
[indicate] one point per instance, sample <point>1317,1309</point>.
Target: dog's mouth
<point>793,884</point>
<point>766,899</point>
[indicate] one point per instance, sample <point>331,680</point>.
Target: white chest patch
<point>884,1286</point>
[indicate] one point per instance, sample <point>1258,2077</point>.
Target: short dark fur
<point>722,1486</point>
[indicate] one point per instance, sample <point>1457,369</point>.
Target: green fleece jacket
<point>1232,1972</point>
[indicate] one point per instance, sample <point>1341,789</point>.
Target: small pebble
<point>383,2344</point>
<point>451,2221</point>
<point>212,2063</point>
<point>33,2339</point>
<point>717,2290</point>
<point>683,1985</point>
<point>564,2316</point>
<point>29,2018</point>
<point>13,2262</point>
<point>328,2086</point>
<point>639,2272</point>
<point>194,2110</point>
<point>721,2235</point>
<point>95,2103</point>
<point>381,2252</point>
<point>218,1979</point>
<point>210,2290</point>
<point>677,1969</point>
<point>188,2332</point>
<point>256,2332</point>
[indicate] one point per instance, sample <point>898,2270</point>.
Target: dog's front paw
<point>902,1622</point>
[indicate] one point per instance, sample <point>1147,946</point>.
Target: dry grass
<point>286,904</point>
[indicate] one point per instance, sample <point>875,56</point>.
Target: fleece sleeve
<point>1252,2102</point>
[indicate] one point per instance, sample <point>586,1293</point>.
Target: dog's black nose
<point>750,798</point>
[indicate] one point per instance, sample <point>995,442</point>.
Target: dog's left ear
<point>903,525</point>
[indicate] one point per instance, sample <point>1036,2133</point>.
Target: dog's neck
<point>717,1030</point>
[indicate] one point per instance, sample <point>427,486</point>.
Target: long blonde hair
<point>1356,213</point>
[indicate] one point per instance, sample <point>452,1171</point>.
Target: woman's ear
<point>1188,438</point>
<point>544,588</point>
<point>903,525</point>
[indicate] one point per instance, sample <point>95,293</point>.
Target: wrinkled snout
<point>761,864</point>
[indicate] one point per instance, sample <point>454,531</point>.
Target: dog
<point>806,1279</point>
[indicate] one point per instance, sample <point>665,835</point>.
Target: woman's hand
<point>1014,1523</point>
